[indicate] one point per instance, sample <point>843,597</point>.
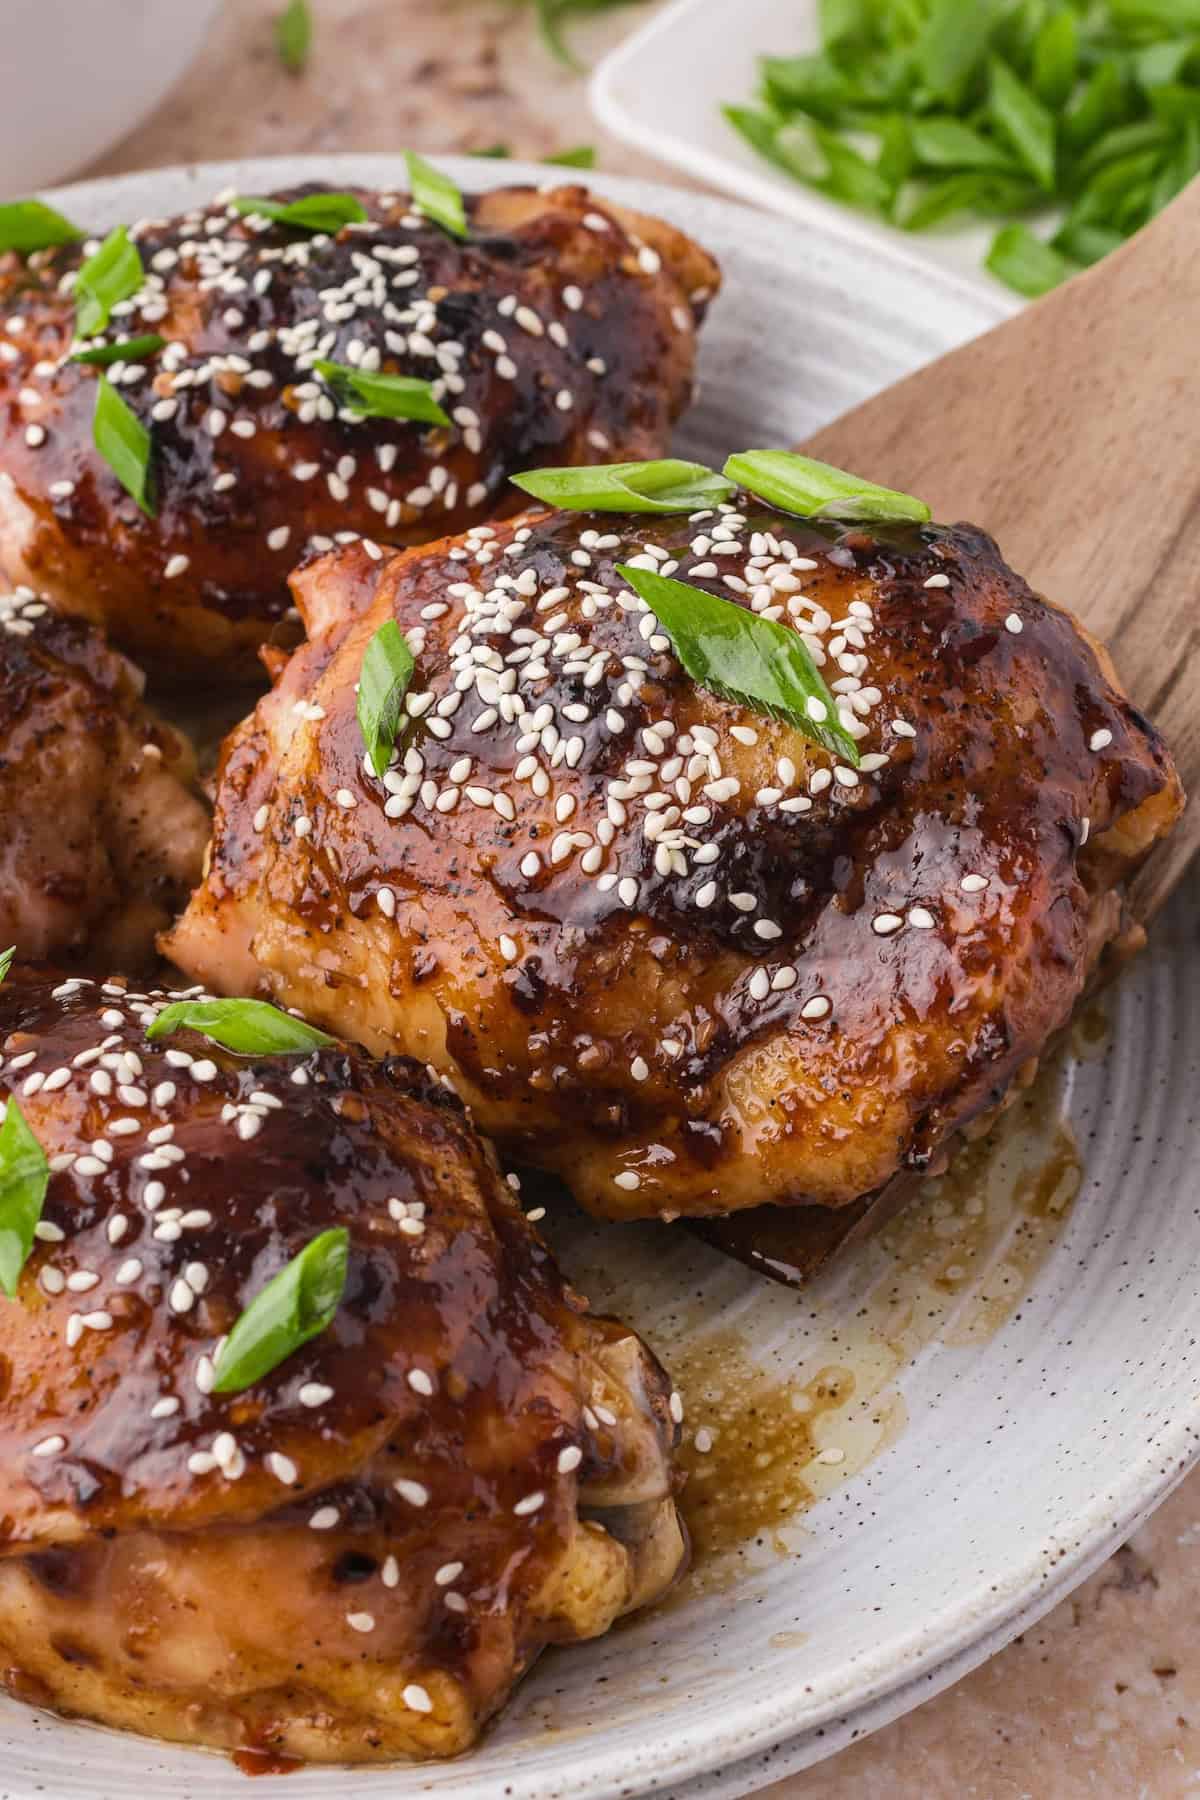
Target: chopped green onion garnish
<point>24,1177</point>
<point>314,212</point>
<point>922,110</point>
<point>387,669</point>
<point>745,658</point>
<point>1024,122</point>
<point>124,443</point>
<point>1026,263</point>
<point>583,156</point>
<point>295,1306</point>
<point>492,150</point>
<point>665,486</point>
<point>382,396</point>
<point>128,350</point>
<point>113,274</point>
<point>249,1027</point>
<point>435,195</point>
<point>293,36</point>
<point>27,225</point>
<point>6,960</point>
<point>812,489</point>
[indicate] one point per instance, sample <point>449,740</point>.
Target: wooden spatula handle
<point>1072,434</point>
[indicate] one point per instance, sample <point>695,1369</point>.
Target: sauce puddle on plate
<point>788,1393</point>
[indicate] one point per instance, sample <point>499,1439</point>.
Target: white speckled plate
<point>998,1459</point>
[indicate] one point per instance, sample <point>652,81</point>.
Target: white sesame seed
<point>569,1459</point>
<point>1013,623</point>
<point>282,1468</point>
<point>1100,740</point>
<point>530,1504</point>
<point>938,581</point>
<point>628,1178</point>
<point>361,1621</point>
<point>412,1491</point>
<point>420,1382</point>
<point>416,1698</point>
<point>314,1393</point>
<point>49,1446</point>
<point>324,1519</point>
<point>921,918</point>
<point>885,923</point>
<point>973,884</point>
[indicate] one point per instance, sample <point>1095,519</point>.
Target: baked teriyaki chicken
<point>325,366</point>
<point>307,1448</point>
<point>750,874</point>
<point>101,832</point>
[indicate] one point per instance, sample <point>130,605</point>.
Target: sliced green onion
<point>1026,263</point>
<point>812,489</point>
<point>948,144</point>
<point>249,1027</point>
<point>382,396</point>
<point>1021,118</point>
<point>124,443</point>
<point>665,486</point>
<point>387,670</point>
<point>752,661</point>
<point>113,274</point>
<point>128,350</point>
<point>952,46</point>
<point>435,195</point>
<point>27,225</point>
<point>583,156</point>
<point>326,213</point>
<point>295,1306</point>
<point>6,960</point>
<point>293,36</point>
<point>24,1178</point>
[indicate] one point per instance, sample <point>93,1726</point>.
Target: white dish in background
<point>81,74</point>
<point>1028,1453</point>
<point>662,90</point>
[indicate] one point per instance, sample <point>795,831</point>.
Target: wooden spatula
<point>1072,434</point>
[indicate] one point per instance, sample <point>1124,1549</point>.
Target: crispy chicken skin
<point>665,947</point>
<point>101,835</point>
<point>358,1557</point>
<point>563,331</point>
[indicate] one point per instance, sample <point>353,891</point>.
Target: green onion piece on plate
<point>665,486</point>
<point>1028,126</point>
<point>24,1177</point>
<point>583,156</point>
<point>387,669</point>
<point>113,274</point>
<point>752,661</point>
<point>293,36</point>
<point>382,396</point>
<point>436,195</point>
<point>1021,259</point>
<point>249,1027</point>
<point>811,489</point>
<point>6,960</point>
<point>27,225</point>
<point>295,1306</point>
<point>325,213</point>
<point>128,350</point>
<point>124,443</point>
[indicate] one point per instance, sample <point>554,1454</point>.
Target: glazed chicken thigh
<point>101,834</point>
<point>562,329</point>
<point>356,1557</point>
<point>668,948</point>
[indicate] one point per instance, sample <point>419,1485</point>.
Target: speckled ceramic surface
<point>1024,1381</point>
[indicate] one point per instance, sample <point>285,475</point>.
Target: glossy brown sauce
<point>784,1429</point>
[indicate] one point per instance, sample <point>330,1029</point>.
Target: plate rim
<point>930,1657</point>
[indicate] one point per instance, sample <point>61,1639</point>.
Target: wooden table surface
<point>1102,1699</point>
